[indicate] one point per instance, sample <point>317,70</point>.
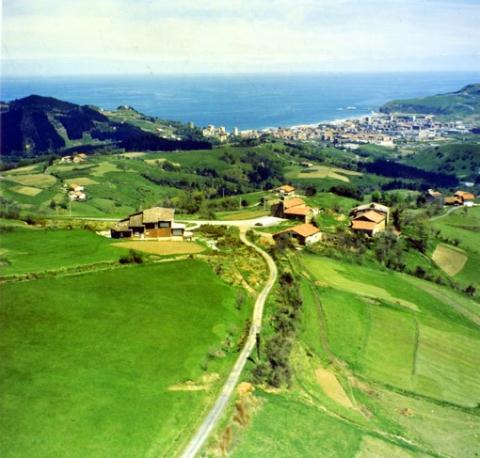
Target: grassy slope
<point>462,159</point>
<point>33,250</point>
<point>115,183</point>
<point>463,103</point>
<point>98,353</point>
<point>403,352</point>
<point>463,224</point>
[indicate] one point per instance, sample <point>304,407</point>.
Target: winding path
<point>216,411</point>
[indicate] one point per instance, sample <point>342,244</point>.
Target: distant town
<point>379,129</point>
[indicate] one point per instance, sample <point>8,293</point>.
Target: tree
<point>416,230</point>
<point>470,290</point>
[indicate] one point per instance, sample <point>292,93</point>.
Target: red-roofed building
<point>370,221</point>
<point>293,208</point>
<point>306,234</point>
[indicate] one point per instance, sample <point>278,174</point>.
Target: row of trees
<point>274,369</point>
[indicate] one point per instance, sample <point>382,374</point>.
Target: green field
<point>402,356</point>
<point>116,185</point>
<point>462,224</point>
<point>34,250</point>
<point>95,365</point>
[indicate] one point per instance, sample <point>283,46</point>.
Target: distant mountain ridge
<point>36,125</point>
<point>462,104</point>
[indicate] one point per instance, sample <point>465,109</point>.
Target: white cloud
<point>239,34</point>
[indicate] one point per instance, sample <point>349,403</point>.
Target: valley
<point>247,297</point>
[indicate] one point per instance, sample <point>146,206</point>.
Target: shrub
<point>133,257</point>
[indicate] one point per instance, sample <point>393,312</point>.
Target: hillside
<point>464,103</point>
<point>383,364</point>
<point>37,125</point>
<point>461,160</point>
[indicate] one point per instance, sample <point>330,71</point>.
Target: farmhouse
<point>76,192</point>
<point>460,198</point>
<point>76,159</point>
<point>306,234</point>
<point>369,219</point>
<point>156,222</point>
<point>285,190</point>
<point>465,198</point>
<point>431,195</point>
<point>293,208</point>
<point>371,206</point>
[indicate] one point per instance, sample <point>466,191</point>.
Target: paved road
<point>216,411</point>
<point>450,210</point>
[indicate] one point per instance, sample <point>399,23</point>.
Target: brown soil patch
<point>451,260</point>
<point>163,247</point>
<point>244,388</point>
<point>332,388</point>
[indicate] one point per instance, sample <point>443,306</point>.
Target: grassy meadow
<point>385,364</point>
<point>462,262</point>
<point>114,363</point>
<point>29,250</point>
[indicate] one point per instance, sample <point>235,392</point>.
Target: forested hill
<point>36,125</point>
<point>461,104</point>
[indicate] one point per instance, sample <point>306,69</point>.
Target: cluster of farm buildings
<point>370,219</point>
<point>458,198</point>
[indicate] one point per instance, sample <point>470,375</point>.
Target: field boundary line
<point>415,348</point>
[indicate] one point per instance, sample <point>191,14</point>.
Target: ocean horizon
<point>245,101</point>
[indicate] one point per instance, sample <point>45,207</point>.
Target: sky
<point>62,37</point>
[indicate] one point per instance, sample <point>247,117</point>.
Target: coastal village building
<point>369,219</point>
<point>460,198</point>
<point>156,222</point>
<point>306,234</point>
<point>293,208</point>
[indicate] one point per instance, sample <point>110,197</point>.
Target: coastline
<point>332,122</point>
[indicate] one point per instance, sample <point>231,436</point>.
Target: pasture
<point>384,365</point>
<point>26,249</point>
<point>41,180</point>
<point>391,329</point>
<point>26,190</point>
<point>90,362</point>
<point>462,224</point>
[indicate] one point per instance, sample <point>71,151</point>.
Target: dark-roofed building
<point>153,222</point>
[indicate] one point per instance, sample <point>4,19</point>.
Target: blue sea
<point>245,100</point>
